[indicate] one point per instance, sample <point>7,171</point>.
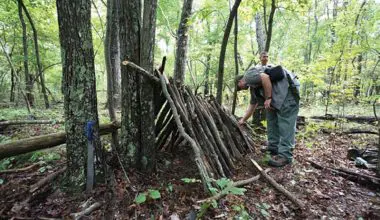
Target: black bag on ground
<point>275,73</point>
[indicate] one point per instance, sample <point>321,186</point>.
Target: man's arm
<point>267,85</point>
<point>248,113</point>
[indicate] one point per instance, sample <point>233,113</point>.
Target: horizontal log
<point>44,141</point>
<point>21,122</point>
<point>359,119</point>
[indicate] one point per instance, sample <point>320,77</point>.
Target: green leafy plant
<point>241,212</point>
<point>6,163</point>
<point>263,207</point>
<point>144,196</point>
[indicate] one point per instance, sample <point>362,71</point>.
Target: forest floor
<point>325,195</point>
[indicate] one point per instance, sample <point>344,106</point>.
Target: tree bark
<point>79,87</point>
<point>36,48</point>
<point>260,32</point>
<point>182,41</point>
<point>233,13</point>
<point>27,75</point>
<point>148,91</point>
<point>129,18</point>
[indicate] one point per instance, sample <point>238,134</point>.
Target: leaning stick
<point>198,160</point>
<point>47,179</point>
<point>277,186</point>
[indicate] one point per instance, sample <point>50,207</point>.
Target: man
<point>264,58</point>
<point>281,101</point>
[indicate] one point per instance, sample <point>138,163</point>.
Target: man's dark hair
<point>237,79</point>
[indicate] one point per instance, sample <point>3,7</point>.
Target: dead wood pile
<point>218,142</point>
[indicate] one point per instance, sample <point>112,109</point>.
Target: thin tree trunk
<point>270,25</point>
<point>18,81</point>
<point>236,63</point>
<point>28,78</point>
<point>79,86</point>
<point>39,66</point>
<point>182,41</point>
<point>233,13</point>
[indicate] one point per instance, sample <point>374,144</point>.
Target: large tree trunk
<point>27,75</point>
<point>111,42</point>
<point>130,14</point>
<point>182,40</point>
<point>148,91</point>
<point>36,48</point>
<point>79,87</point>
<point>233,13</point>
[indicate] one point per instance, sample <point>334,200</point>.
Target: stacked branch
<point>221,141</point>
<point>218,142</point>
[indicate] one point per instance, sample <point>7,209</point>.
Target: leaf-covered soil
<point>325,195</point>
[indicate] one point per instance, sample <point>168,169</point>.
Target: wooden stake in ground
<point>277,186</point>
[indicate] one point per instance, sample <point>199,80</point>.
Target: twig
<point>19,170</point>
<point>87,211</point>
<point>277,186</point>
<point>141,70</point>
<point>234,184</point>
<point>45,180</point>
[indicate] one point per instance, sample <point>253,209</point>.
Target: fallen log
<point>359,119</point>
<point>278,187</point>
<point>22,122</point>
<point>44,141</point>
<point>363,180</point>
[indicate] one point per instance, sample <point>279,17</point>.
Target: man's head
<point>264,57</point>
<point>240,83</point>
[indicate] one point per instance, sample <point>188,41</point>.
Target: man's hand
<point>267,104</point>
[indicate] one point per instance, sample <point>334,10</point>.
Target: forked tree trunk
<point>27,76</point>
<point>80,101</point>
<point>36,48</point>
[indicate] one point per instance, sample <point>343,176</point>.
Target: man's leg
<point>287,118</point>
<point>272,131</point>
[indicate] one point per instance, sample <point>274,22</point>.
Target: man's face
<point>242,84</point>
<point>264,59</point>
